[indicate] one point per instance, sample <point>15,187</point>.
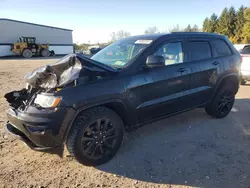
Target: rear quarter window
<point>220,48</point>
<point>199,50</point>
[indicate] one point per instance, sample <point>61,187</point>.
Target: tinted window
<point>220,48</point>
<point>245,50</point>
<point>199,50</point>
<point>172,52</point>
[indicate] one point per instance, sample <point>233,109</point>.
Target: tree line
<point>234,24</point>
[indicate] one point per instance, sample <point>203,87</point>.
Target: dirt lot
<point>188,150</point>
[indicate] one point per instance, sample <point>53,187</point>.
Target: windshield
<point>119,53</point>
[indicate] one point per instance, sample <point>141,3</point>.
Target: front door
<point>164,86</point>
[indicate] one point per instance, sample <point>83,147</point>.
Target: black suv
<point>88,103</point>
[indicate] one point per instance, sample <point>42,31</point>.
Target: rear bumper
<point>40,129</point>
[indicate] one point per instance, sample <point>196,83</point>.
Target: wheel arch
<point>233,78</point>
<point>118,106</point>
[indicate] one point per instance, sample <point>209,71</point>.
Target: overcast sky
<point>94,20</point>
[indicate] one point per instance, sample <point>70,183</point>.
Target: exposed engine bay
<point>69,71</point>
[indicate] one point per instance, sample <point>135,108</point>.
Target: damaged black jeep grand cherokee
<point>88,103</point>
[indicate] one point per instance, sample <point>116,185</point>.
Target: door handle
<point>216,63</point>
<point>182,69</point>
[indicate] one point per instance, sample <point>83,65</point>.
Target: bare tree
<point>119,35</point>
<point>122,34</point>
<point>151,30</point>
<point>113,36</point>
<point>175,28</point>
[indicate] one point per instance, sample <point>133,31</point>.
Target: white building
<point>59,39</point>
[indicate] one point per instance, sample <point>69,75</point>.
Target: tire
<point>208,110</point>
<point>223,102</point>
<point>243,82</point>
<point>45,53</point>
<point>27,53</point>
<point>85,141</point>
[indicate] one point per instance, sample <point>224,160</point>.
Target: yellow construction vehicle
<point>27,47</point>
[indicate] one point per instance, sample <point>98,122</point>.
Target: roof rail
<point>200,33</point>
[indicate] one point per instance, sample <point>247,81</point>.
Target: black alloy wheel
<point>99,138</point>
<point>223,102</point>
<point>96,136</point>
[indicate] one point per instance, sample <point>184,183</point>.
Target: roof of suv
<point>158,35</point>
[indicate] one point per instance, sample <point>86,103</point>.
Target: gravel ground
<point>188,150</point>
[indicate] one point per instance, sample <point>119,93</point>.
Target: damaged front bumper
<point>38,114</point>
<point>40,129</point>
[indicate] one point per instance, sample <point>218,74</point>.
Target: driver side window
<point>172,53</point>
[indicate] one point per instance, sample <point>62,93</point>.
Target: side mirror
<point>155,61</point>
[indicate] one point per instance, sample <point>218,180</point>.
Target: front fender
<point>105,103</point>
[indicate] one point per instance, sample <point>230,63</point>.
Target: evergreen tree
<point>205,25</point>
<point>212,25</point>
<point>235,25</point>
<point>240,20</point>
<point>223,21</point>
<point>188,28</point>
<point>246,28</point>
<point>231,22</point>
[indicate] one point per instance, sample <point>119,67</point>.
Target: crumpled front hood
<point>65,71</point>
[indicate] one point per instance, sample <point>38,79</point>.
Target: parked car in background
<point>245,66</point>
<point>94,50</point>
<point>87,103</point>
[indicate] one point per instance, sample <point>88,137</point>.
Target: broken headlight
<point>47,101</point>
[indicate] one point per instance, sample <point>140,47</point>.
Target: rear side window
<point>199,50</point>
<point>220,48</point>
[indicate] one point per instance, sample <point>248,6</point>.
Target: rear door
<point>200,63</point>
<point>223,59</point>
